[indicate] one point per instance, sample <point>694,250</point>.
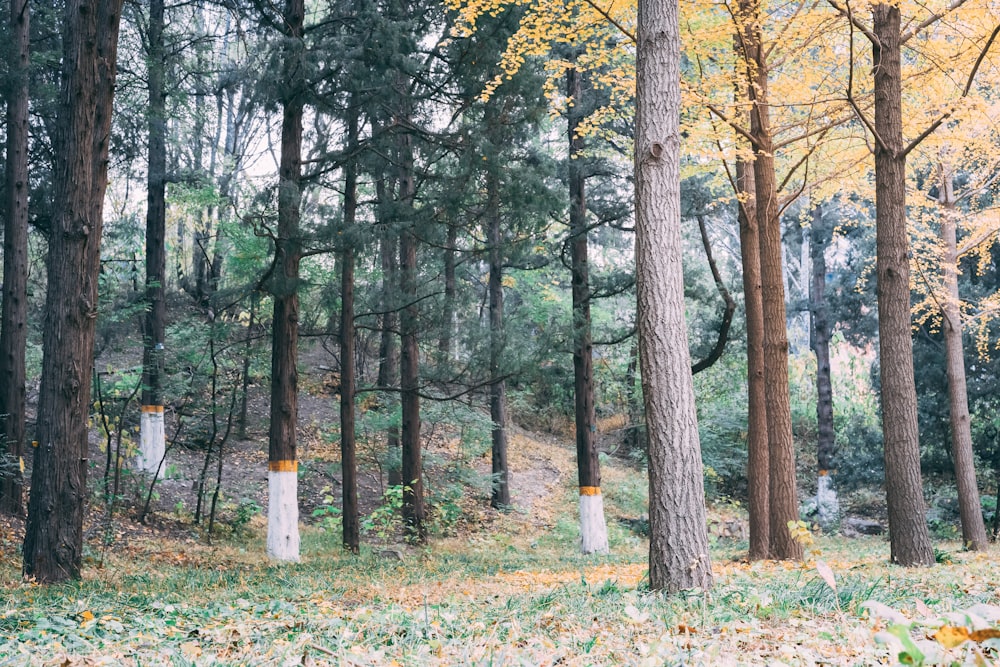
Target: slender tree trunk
<point>783,496</point>
<point>348,450</point>
<point>969,505</point>
<point>448,312</point>
<point>152,438</point>
<point>500,496</point>
<point>758,471</point>
<point>632,440</point>
<point>678,545</point>
<point>409,357</point>
<point>53,545</point>
<point>388,365</point>
<point>910,543</point>
<point>283,510</point>
<point>827,505</point>
<point>245,377</point>
<point>593,529</point>
<point>13,329</point>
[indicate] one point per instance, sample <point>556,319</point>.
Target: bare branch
<point>607,17</point>
<point>845,11</point>
<point>931,20</point>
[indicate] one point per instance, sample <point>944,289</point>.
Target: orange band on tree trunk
<point>152,409</point>
<point>590,490</point>
<point>824,473</point>
<point>283,466</point>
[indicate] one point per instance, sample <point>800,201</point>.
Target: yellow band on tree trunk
<point>590,490</point>
<point>283,466</point>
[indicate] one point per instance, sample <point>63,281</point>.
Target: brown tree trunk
<point>348,450</point>
<point>593,529</point>
<point>388,365</point>
<point>827,505</point>
<point>758,473</point>
<point>53,544</point>
<point>783,496</point>
<point>969,505</point>
<point>409,357</point>
<point>909,538</point>
<point>283,534</point>
<point>678,546</point>
<point>500,496</point>
<point>13,330</point>
<point>152,445</point>
<point>448,312</point>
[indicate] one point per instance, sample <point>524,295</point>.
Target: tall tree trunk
<point>13,330</point>
<point>909,539</point>
<point>758,471</point>
<point>409,356</point>
<point>969,506</point>
<point>348,450</point>
<point>678,545</point>
<point>500,495</point>
<point>53,544</point>
<point>593,529</point>
<point>388,355</point>
<point>448,312</point>
<point>283,510</point>
<point>783,496</point>
<point>827,505</point>
<point>152,439</point>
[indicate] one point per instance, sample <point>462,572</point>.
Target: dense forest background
<point>425,214</point>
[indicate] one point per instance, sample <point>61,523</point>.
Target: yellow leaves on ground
<point>951,636</point>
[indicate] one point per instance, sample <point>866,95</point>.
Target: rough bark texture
<point>151,450</point>
<point>783,497</point>
<point>348,450</point>
<point>758,473</point>
<point>909,538</point>
<point>285,279</point>
<point>827,505</point>
<point>500,495</point>
<point>678,547</point>
<point>593,530</point>
<point>969,506</point>
<point>13,323</point>
<point>53,544</point>
<point>409,354</point>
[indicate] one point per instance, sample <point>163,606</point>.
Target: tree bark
<point>53,545</point>
<point>969,505</point>
<point>348,451</point>
<point>282,513</point>
<point>152,442</point>
<point>827,505</point>
<point>593,528</point>
<point>448,313</point>
<point>910,543</point>
<point>13,329</point>
<point>414,512</point>
<point>388,365</point>
<point>758,472</point>
<point>783,496</point>
<point>500,495</point>
<point>678,548</point>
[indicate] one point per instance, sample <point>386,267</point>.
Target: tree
<point>593,529</point>
<point>820,233</point>
<point>970,508</point>
<point>152,443</point>
<point>13,322</point>
<point>53,545</point>
<point>348,384</point>
<point>283,508</point>
<point>678,550</point>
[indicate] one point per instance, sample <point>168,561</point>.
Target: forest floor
<point>489,588</point>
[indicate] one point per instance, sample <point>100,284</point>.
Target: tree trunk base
<point>152,441</point>
<point>283,515</point>
<point>593,529</point>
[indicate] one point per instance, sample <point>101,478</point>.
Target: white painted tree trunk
<point>152,441</point>
<point>593,529</point>
<point>283,515</point>
<point>827,504</point>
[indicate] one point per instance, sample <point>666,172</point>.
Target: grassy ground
<point>516,594</point>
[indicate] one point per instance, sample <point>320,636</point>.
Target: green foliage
<point>386,520</point>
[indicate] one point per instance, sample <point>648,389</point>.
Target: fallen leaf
<point>951,636</point>
<point>827,574</point>
<point>980,636</point>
